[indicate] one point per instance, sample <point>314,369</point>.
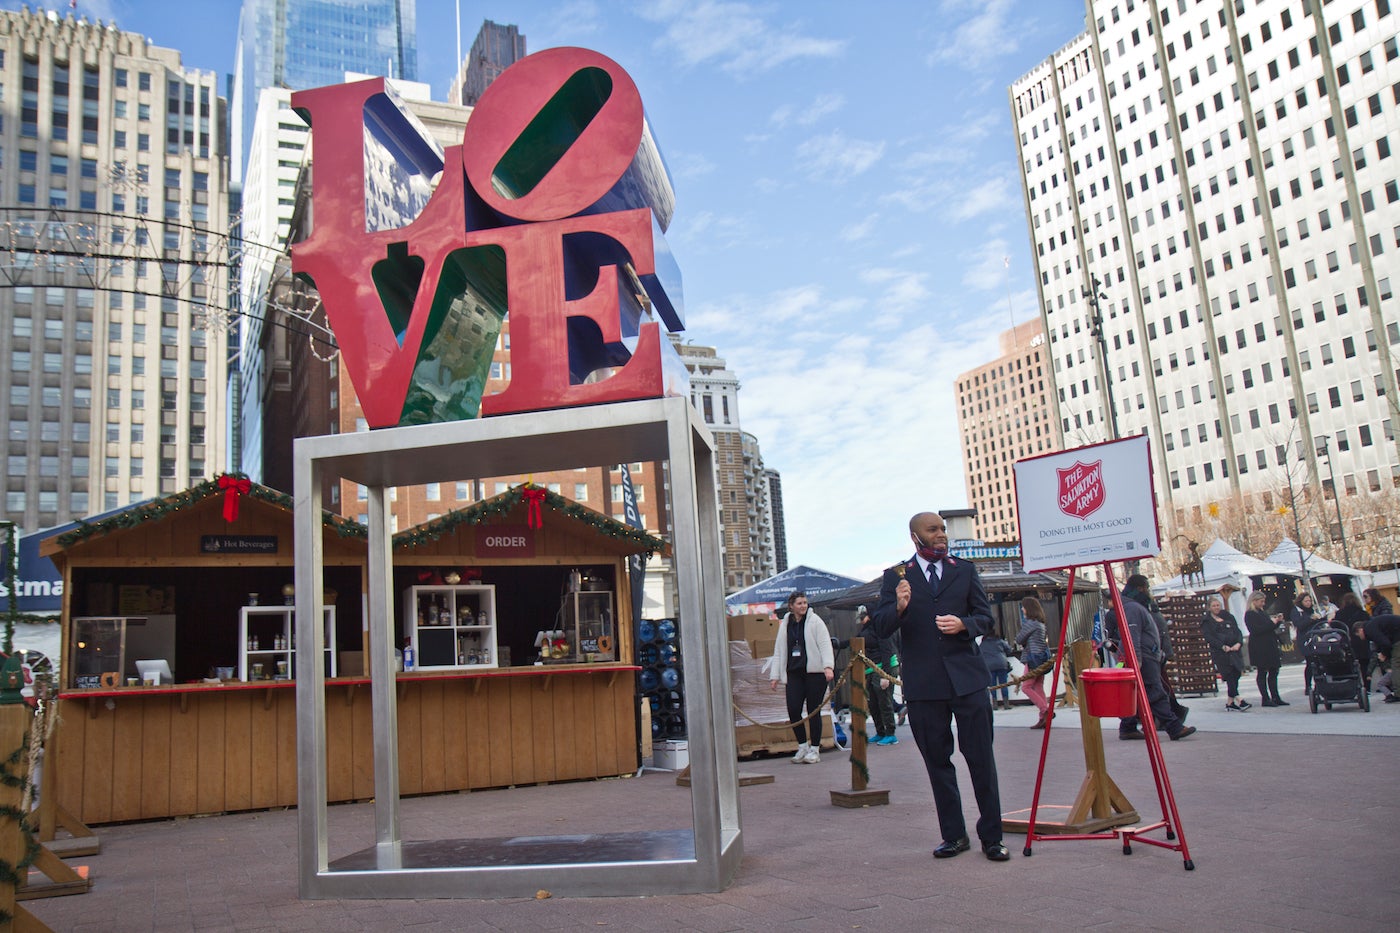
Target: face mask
<point>927,551</point>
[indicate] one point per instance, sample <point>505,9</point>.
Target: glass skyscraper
<point>300,44</point>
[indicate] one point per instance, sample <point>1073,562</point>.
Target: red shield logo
<point>1081,489</point>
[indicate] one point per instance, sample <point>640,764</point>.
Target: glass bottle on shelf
<point>445,613</point>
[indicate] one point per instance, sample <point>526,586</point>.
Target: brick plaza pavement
<point>1291,820</point>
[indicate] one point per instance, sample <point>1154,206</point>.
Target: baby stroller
<point>1336,675</point>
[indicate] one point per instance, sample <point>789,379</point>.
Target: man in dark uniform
<point>939,607</point>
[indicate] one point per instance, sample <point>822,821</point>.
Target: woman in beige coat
<point>804,660</point>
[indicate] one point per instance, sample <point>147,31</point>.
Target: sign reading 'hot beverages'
<point>552,209</point>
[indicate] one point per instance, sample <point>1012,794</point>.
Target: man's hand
<point>901,596</point>
<point>829,673</point>
<point>884,685</point>
<point>774,684</point>
<point>949,625</point>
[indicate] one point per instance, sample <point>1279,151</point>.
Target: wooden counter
<point>192,749</point>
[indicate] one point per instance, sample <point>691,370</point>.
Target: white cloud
<point>689,164</point>
<point>733,35</point>
<point>980,38</point>
<point>901,290</point>
<point>994,194</point>
<point>823,105</point>
<point>835,158</point>
<point>860,230</point>
<point>984,268</point>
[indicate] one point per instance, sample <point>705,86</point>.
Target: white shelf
<point>265,624</point>
<point>452,627</point>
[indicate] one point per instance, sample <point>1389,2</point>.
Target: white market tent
<point>1222,564</point>
<point>1287,554</point>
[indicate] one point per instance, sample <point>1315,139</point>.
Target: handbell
<point>899,569</point>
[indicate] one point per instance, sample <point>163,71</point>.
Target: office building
<point>287,45</point>
<point>1003,416</point>
<point>299,44</point>
<point>1212,205</point>
<point>494,49</point>
<point>113,332</point>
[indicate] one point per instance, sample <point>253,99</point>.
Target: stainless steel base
<point>701,859</point>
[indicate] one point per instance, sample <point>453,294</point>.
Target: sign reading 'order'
<point>505,541</point>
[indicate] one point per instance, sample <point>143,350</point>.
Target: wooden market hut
<point>167,580</point>
<point>131,750</point>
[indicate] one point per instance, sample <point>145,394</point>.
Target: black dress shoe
<point>996,852</point>
<point>1267,703</point>
<point>950,849</point>
<point>1278,702</point>
<point>1129,736</point>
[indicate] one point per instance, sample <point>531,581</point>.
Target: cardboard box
<point>350,664</point>
<point>671,755</point>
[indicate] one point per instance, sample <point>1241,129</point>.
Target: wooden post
<point>858,712</point>
<point>1099,805</point>
<point>14,725</point>
<point>859,795</point>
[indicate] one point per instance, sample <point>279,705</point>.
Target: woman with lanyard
<point>805,661</point>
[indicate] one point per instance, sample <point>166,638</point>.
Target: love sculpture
<point>553,209</point>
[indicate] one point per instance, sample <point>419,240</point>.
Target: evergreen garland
<point>501,505</point>
<point>161,508</point>
<point>16,874</point>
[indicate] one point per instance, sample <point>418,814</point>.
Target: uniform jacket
<point>936,666</point>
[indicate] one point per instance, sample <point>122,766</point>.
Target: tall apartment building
<point>494,49</point>
<point>748,530</point>
<point>775,501</point>
<point>114,193</point>
<point>1212,204</point>
<point>1004,415</point>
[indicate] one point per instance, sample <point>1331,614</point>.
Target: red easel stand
<point>1170,821</point>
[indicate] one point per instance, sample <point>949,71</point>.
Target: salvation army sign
<point>1087,506</point>
<point>1081,488</point>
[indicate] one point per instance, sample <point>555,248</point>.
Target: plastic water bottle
<point>408,659</point>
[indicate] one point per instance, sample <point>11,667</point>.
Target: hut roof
<point>165,507</point>
<point>631,539</point>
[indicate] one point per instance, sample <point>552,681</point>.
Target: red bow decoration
<point>233,487</point>
<point>534,518</point>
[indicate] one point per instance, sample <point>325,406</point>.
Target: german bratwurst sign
<point>1087,506</point>
<point>552,209</point>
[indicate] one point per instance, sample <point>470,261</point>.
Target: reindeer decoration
<point>1192,566</point>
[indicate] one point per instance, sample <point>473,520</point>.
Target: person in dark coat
<point>1265,649</point>
<point>878,689</point>
<point>1348,615</point>
<point>1139,590</point>
<point>1148,650</point>
<point>1222,633</point>
<point>1374,603</point>
<point>1384,633</point>
<point>938,605</point>
<point>994,654</point>
<point>1304,617</point>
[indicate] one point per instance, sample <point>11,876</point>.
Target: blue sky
<point>847,198</point>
